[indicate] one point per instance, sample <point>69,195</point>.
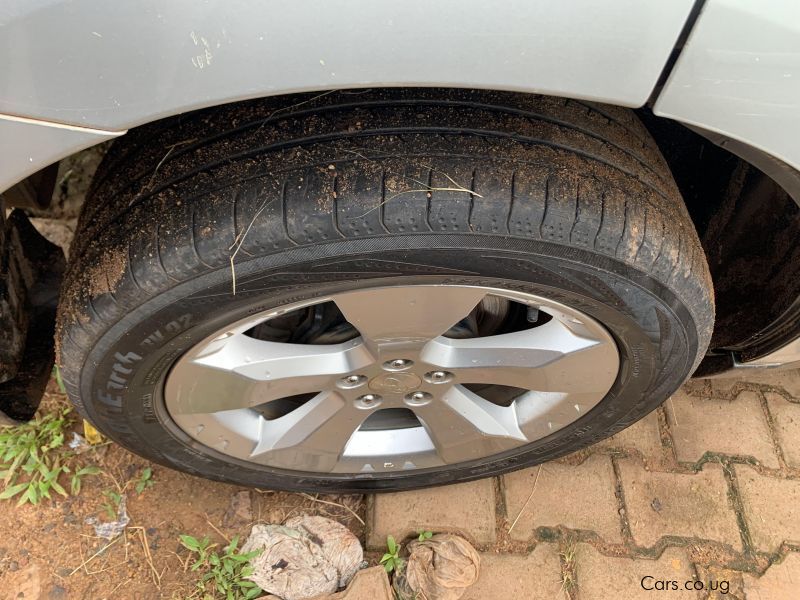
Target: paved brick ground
<point>704,492</point>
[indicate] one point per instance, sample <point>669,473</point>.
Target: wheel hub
<point>395,383</point>
<point>399,397</point>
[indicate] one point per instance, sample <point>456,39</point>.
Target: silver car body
<point>78,72</point>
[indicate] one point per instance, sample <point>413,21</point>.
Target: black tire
<point>571,200</point>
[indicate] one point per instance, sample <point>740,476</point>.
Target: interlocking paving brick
<point>508,577</point>
<point>730,427</point>
<point>771,507</point>
<point>788,380</point>
<point>697,387</point>
<point>578,497</point>
<point>680,504</point>
<point>468,508</point>
<point>601,577</point>
<point>720,583</point>
<point>779,582</point>
<point>643,436</point>
<point>786,416</point>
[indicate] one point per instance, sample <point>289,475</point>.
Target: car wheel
<point>380,290</point>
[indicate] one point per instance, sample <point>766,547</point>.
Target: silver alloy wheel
<point>400,361</point>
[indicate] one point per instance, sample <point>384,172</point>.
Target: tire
<point>323,194</point>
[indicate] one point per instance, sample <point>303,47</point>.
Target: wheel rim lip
<point>397,444</point>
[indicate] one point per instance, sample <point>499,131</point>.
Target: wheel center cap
<point>395,383</point>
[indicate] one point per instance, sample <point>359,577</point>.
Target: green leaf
<point>57,487</point>
<point>391,544</point>
<point>13,490</point>
<point>190,542</point>
<point>197,565</point>
<point>90,470</point>
<point>31,495</point>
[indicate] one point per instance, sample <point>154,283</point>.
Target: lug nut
<point>368,401</point>
<point>418,398</point>
<point>351,381</point>
<point>398,364</point>
<point>438,377</point>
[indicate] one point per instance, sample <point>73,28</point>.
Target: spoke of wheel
<point>549,358</point>
<point>312,437</point>
<point>241,372</point>
<point>389,318</point>
<point>464,426</point>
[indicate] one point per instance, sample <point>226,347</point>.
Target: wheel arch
<point>714,164</point>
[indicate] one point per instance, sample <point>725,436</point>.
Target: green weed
<point>145,480</point>
<point>112,506</point>
<point>223,575</point>
<point>391,560</point>
<point>33,457</point>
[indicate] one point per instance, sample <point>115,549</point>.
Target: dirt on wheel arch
<point>49,552</point>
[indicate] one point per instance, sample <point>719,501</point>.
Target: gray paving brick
<point>786,416</point>
<point>771,507</point>
<point>678,504</point>
<point>467,508</point>
<point>536,576</point>
<point>779,582</point>
<point>736,427</point>
<point>578,497</point>
<point>601,577</point>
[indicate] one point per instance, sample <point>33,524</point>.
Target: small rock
<point>239,511</point>
<point>57,592</point>
<point>656,505</point>
<point>13,565</point>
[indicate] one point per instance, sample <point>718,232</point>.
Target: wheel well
<point>749,226</point>
<point>746,221</point>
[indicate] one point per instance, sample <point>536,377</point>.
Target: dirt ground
<point>48,551</point>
